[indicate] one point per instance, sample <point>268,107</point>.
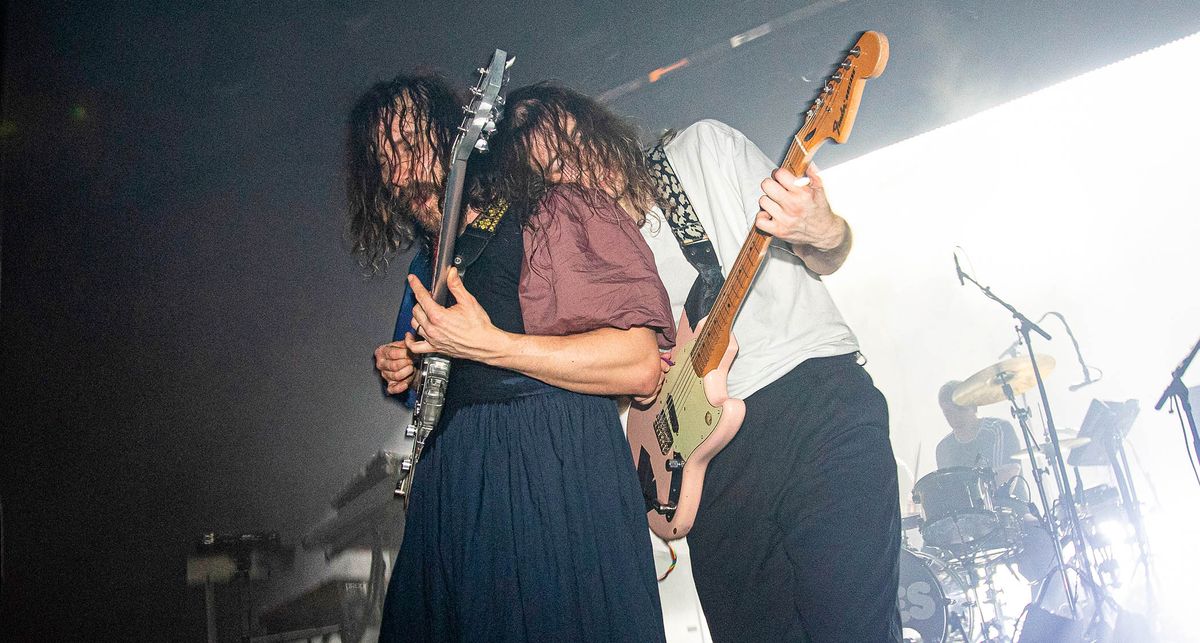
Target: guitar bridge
<point>662,431</point>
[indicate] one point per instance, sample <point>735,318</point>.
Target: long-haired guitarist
<point>525,517</point>
<point>797,534</point>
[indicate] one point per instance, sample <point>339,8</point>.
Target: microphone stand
<point>1021,413</point>
<point>1179,392</point>
<point>1024,330</point>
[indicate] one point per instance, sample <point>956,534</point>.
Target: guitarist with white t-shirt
<point>797,535</point>
<point>797,532</point>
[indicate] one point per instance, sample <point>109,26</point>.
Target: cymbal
<point>1048,447</point>
<point>986,386</point>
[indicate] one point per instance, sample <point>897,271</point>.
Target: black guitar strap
<point>689,232</point>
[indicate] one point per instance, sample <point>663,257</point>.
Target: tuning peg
<point>836,77</point>
<point>499,101</point>
<point>845,64</point>
<point>481,71</point>
<point>467,109</point>
<point>462,128</point>
<point>481,145</point>
<point>477,91</point>
<point>509,63</point>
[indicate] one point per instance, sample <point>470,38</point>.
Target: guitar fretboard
<point>714,337</point>
<point>830,117</point>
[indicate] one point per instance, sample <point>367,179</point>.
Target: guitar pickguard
<point>686,417</point>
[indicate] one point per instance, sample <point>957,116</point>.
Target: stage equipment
<point>1025,327</point>
<point>1071,442</point>
<point>1011,351</point>
<point>331,590</point>
<point>337,606</point>
<point>987,386</point>
<point>956,507</point>
<point>1180,404</point>
<point>1107,423</point>
<point>367,518</point>
<point>234,559</point>
<point>933,599</point>
<point>1041,626</point>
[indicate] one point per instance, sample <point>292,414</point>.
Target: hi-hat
<point>1048,447</point>
<point>987,386</point>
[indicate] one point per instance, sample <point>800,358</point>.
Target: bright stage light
<point>1080,198</point>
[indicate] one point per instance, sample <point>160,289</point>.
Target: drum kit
<point>978,537</point>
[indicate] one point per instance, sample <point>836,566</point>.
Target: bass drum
<point>933,601</point>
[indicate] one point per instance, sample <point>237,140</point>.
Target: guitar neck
<point>452,212</point>
<point>831,117</point>
<point>714,338</point>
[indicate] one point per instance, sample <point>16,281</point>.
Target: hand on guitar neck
<point>795,210</point>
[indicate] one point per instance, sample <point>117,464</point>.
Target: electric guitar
<point>434,374</point>
<point>675,437</point>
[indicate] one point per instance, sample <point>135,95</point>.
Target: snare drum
<point>933,601</point>
<point>956,507</point>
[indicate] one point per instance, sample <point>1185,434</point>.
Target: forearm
<point>827,261</point>
<point>606,361</point>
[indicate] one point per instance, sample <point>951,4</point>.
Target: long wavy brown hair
<point>381,190</point>
<point>553,135</point>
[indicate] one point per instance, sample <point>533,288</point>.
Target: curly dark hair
<point>583,145</point>
<point>381,215</point>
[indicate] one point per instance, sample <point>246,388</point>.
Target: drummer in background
<point>976,442</point>
<point>992,443</point>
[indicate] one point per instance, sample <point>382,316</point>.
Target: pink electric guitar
<point>675,437</point>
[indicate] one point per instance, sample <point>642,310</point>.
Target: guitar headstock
<point>832,113</point>
<point>484,109</point>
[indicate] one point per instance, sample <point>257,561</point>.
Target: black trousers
<point>798,533</point>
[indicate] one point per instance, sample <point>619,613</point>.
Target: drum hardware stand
<point>1024,328</point>
<point>992,597</point>
<point>1021,414</point>
<point>1178,394</point>
<point>1113,421</point>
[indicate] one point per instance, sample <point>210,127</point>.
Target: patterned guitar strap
<point>689,232</point>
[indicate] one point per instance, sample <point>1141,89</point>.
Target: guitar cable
<point>674,561</point>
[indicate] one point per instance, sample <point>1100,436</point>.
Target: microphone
<point>958,271</point>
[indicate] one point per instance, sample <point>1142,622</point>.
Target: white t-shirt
<point>788,315</point>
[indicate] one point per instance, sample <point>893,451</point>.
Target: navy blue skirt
<point>526,523</point>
